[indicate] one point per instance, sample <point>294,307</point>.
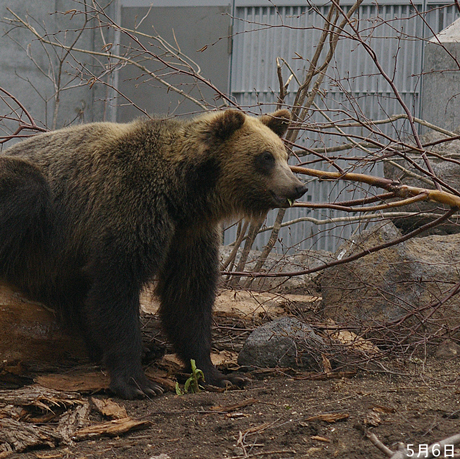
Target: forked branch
<point>399,190</point>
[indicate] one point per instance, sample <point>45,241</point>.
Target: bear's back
<point>71,143</point>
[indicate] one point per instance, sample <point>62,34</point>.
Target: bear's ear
<point>225,123</point>
<point>278,121</point>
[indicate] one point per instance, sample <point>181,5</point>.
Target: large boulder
<point>446,166</point>
<point>413,276</point>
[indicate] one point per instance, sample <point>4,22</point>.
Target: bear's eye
<point>265,162</point>
<point>268,157</point>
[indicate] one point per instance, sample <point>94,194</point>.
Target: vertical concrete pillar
<point>440,97</point>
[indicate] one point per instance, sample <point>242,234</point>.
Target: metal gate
<point>263,33</point>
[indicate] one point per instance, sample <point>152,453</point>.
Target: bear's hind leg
<point>26,219</point>
<point>187,289</point>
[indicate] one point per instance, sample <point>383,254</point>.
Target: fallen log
<point>30,332</point>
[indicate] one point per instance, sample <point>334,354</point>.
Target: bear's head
<point>254,175</point>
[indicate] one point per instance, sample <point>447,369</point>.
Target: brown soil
<point>283,422</point>
<point>283,415</point>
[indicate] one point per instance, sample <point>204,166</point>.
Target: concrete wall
<point>55,96</point>
<point>441,81</point>
<point>201,33</point>
<point>58,96</point>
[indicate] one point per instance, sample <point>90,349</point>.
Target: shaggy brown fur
<point>90,214</point>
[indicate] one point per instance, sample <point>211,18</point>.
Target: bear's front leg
<point>187,290</point>
<point>112,312</point>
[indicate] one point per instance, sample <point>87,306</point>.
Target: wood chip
<point>318,438</point>
<point>161,377</point>
<point>20,436</point>
<point>38,396</point>
<point>329,417</point>
<point>258,428</point>
<point>73,420</point>
<point>111,428</point>
<point>109,408</point>
<point>236,415</point>
<point>51,455</point>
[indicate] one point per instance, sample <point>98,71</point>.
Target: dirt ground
<point>283,419</point>
<point>280,414</point>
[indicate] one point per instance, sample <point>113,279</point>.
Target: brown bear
<point>92,213</point>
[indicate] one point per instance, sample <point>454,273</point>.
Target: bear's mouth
<point>281,201</point>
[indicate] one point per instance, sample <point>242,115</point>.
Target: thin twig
<point>357,256</point>
<point>374,439</point>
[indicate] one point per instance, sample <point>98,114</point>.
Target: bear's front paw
<point>220,380</point>
<point>131,388</point>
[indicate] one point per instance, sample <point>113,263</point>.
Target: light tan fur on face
<point>269,141</point>
<point>242,182</point>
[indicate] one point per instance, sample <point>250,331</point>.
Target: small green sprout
<point>290,202</point>
<point>193,383</point>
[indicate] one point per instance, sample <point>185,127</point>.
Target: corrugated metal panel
<point>352,84</point>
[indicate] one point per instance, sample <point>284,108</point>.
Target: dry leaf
<point>372,419</point>
<point>349,338</point>
<point>327,367</point>
<point>224,358</point>
<point>383,409</point>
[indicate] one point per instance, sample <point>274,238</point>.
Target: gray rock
<point>285,342</point>
<point>389,284</point>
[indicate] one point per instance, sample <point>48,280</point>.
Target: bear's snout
<point>299,191</point>
<point>286,195</point>
<point>286,188</point>
<point>296,192</point>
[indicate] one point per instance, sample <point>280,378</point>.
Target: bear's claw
<point>134,389</point>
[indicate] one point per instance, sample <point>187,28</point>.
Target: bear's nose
<point>299,191</point>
